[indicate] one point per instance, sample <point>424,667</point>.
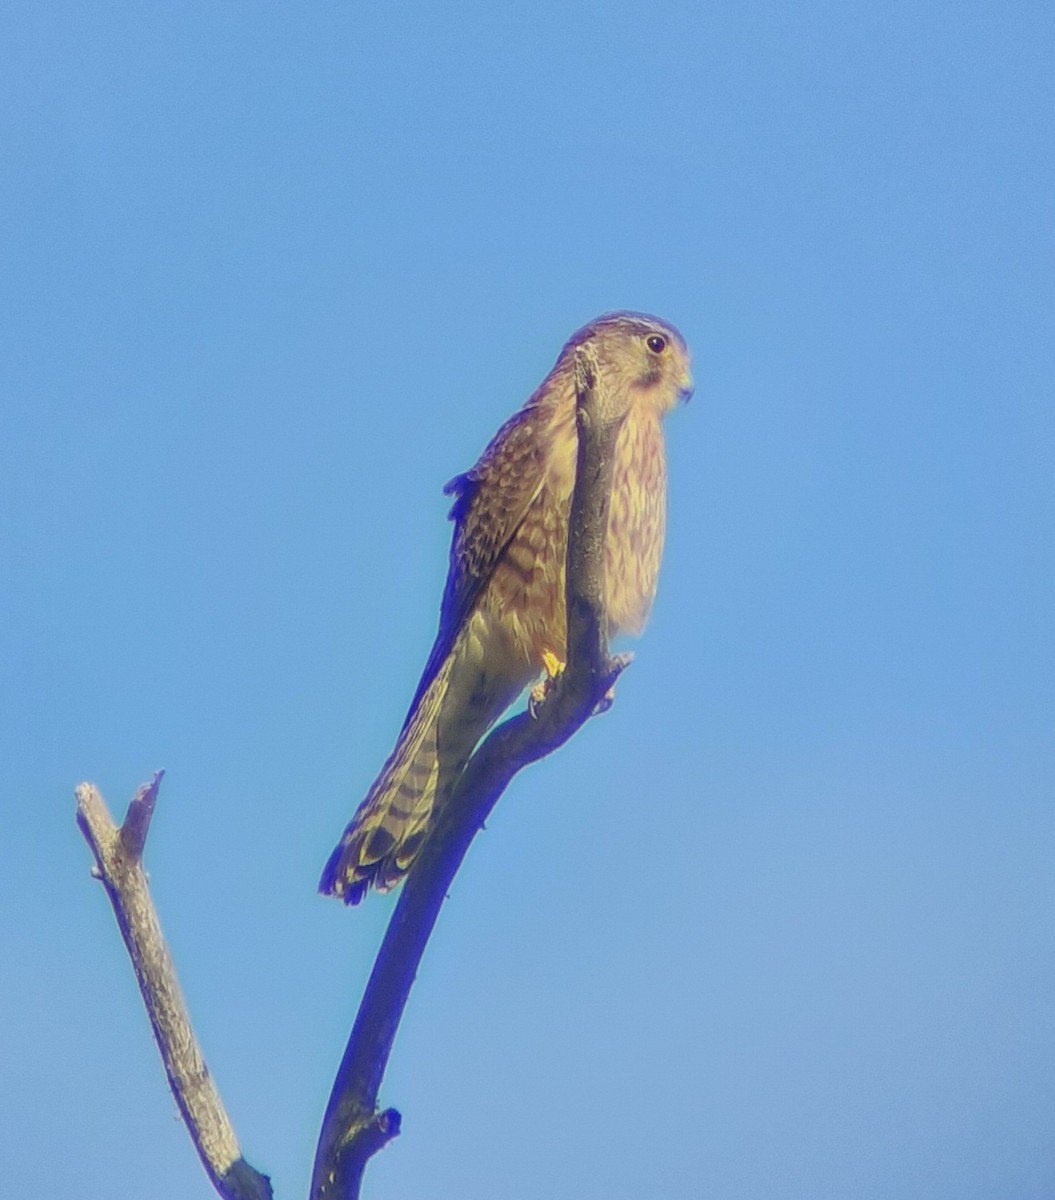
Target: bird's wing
<point>491,500</point>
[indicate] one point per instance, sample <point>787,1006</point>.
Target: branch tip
<point>118,864</point>
<point>138,817</point>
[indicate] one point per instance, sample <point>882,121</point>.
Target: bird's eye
<point>656,343</point>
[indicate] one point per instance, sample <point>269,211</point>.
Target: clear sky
<point>778,927</point>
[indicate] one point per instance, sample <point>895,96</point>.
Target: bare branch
<point>137,820</point>
<point>353,1129</point>
<point>118,856</point>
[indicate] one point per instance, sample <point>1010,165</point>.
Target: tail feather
<point>470,689</point>
<point>389,826</point>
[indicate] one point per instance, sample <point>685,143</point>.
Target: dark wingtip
<point>349,894</point>
<point>348,877</point>
<point>334,880</point>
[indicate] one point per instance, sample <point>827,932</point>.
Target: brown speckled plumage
<point>503,606</point>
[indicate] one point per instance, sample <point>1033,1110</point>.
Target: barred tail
<point>470,690</point>
<point>389,827</point>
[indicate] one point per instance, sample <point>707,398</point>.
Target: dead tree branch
<point>118,857</point>
<point>353,1129</point>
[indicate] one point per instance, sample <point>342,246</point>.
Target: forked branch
<point>119,864</point>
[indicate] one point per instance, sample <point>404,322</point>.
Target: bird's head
<point>643,353</point>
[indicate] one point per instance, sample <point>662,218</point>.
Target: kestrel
<point>502,619</point>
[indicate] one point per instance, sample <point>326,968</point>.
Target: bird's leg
<point>553,666</point>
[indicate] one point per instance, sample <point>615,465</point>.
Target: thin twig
<point>118,856</point>
<point>353,1129</point>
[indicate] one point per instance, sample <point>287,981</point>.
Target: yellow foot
<point>552,663</point>
<point>553,667</point>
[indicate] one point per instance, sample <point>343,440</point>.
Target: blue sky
<point>780,925</point>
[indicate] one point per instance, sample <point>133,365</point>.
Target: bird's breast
<point>525,596</point>
<point>636,522</point>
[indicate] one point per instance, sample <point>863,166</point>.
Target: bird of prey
<point>502,618</point>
